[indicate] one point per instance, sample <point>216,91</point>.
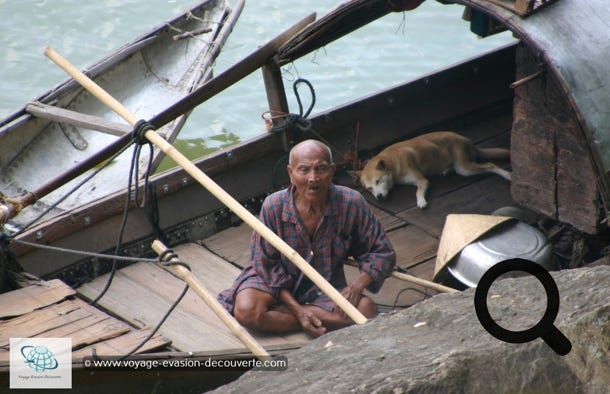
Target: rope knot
<point>166,259</point>
<point>139,131</point>
<point>298,122</point>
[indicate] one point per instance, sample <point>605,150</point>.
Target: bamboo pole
<point>425,283</point>
<point>213,188</point>
<point>415,280</point>
<point>214,305</point>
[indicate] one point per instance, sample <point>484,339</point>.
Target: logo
<point>39,358</point>
<point>544,329</point>
<point>40,363</point>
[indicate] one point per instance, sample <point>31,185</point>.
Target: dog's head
<point>375,177</point>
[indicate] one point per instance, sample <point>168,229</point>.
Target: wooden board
<point>213,271</point>
<point>150,296</point>
<point>388,220</point>
<point>231,244</point>
<point>412,245</point>
<point>87,326</point>
<point>123,344</point>
<point>553,172</point>
<point>482,197</point>
<point>42,320</point>
<point>27,299</point>
<point>192,326</point>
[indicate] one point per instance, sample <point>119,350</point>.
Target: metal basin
<point>509,240</point>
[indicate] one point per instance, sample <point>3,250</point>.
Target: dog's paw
<point>421,203</point>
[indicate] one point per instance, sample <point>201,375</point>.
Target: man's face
<point>311,173</point>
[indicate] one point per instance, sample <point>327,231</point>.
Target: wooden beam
<point>276,95</point>
<point>77,119</point>
<point>524,6</point>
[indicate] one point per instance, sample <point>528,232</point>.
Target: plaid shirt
<point>348,228</point>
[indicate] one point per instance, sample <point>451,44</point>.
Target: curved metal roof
<point>572,37</point>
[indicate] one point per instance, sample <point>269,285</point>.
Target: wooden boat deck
<point>51,309</point>
<point>141,294</point>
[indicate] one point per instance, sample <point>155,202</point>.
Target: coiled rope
<point>297,122</point>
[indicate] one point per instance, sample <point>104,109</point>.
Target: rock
<point>439,346</point>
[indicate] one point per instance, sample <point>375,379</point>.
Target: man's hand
<point>353,292</point>
<point>310,323</point>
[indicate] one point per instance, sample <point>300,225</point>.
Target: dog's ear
<point>355,176</point>
<point>381,165</point>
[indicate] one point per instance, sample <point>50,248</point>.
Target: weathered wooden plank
<point>157,281</point>
<point>552,170</point>
<point>92,329</point>
<point>42,320</point>
<point>78,119</point>
<point>388,221</point>
<point>577,193</point>
<point>412,245</point>
<point>27,299</point>
<point>146,307</point>
<point>215,273</point>
<point>482,197</point>
<point>151,290</point>
<point>231,244</point>
<point>122,344</point>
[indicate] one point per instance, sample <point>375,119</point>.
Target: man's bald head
<point>308,148</point>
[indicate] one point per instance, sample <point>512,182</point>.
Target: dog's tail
<point>493,153</point>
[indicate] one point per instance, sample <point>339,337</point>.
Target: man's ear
<point>355,176</point>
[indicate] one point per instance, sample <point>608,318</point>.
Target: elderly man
<point>325,224</point>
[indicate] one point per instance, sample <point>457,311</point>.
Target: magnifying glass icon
<point>544,329</point>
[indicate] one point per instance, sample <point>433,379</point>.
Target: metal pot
<point>512,239</point>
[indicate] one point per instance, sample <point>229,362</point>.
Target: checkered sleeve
<point>371,246</point>
<point>266,259</point>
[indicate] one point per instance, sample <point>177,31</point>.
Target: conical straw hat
<point>459,231</point>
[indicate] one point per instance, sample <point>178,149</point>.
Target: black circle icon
<point>545,328</point>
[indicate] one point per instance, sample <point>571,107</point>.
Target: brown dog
<point>411,161</point>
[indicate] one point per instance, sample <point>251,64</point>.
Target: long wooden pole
<point>424,283</point>
<point>213,303</point>
<point>217,84</point>
<point>212,187</point>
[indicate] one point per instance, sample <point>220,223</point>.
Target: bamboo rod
<point>425,283</point>
<point>214,305</point>
<point>213,188</point>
